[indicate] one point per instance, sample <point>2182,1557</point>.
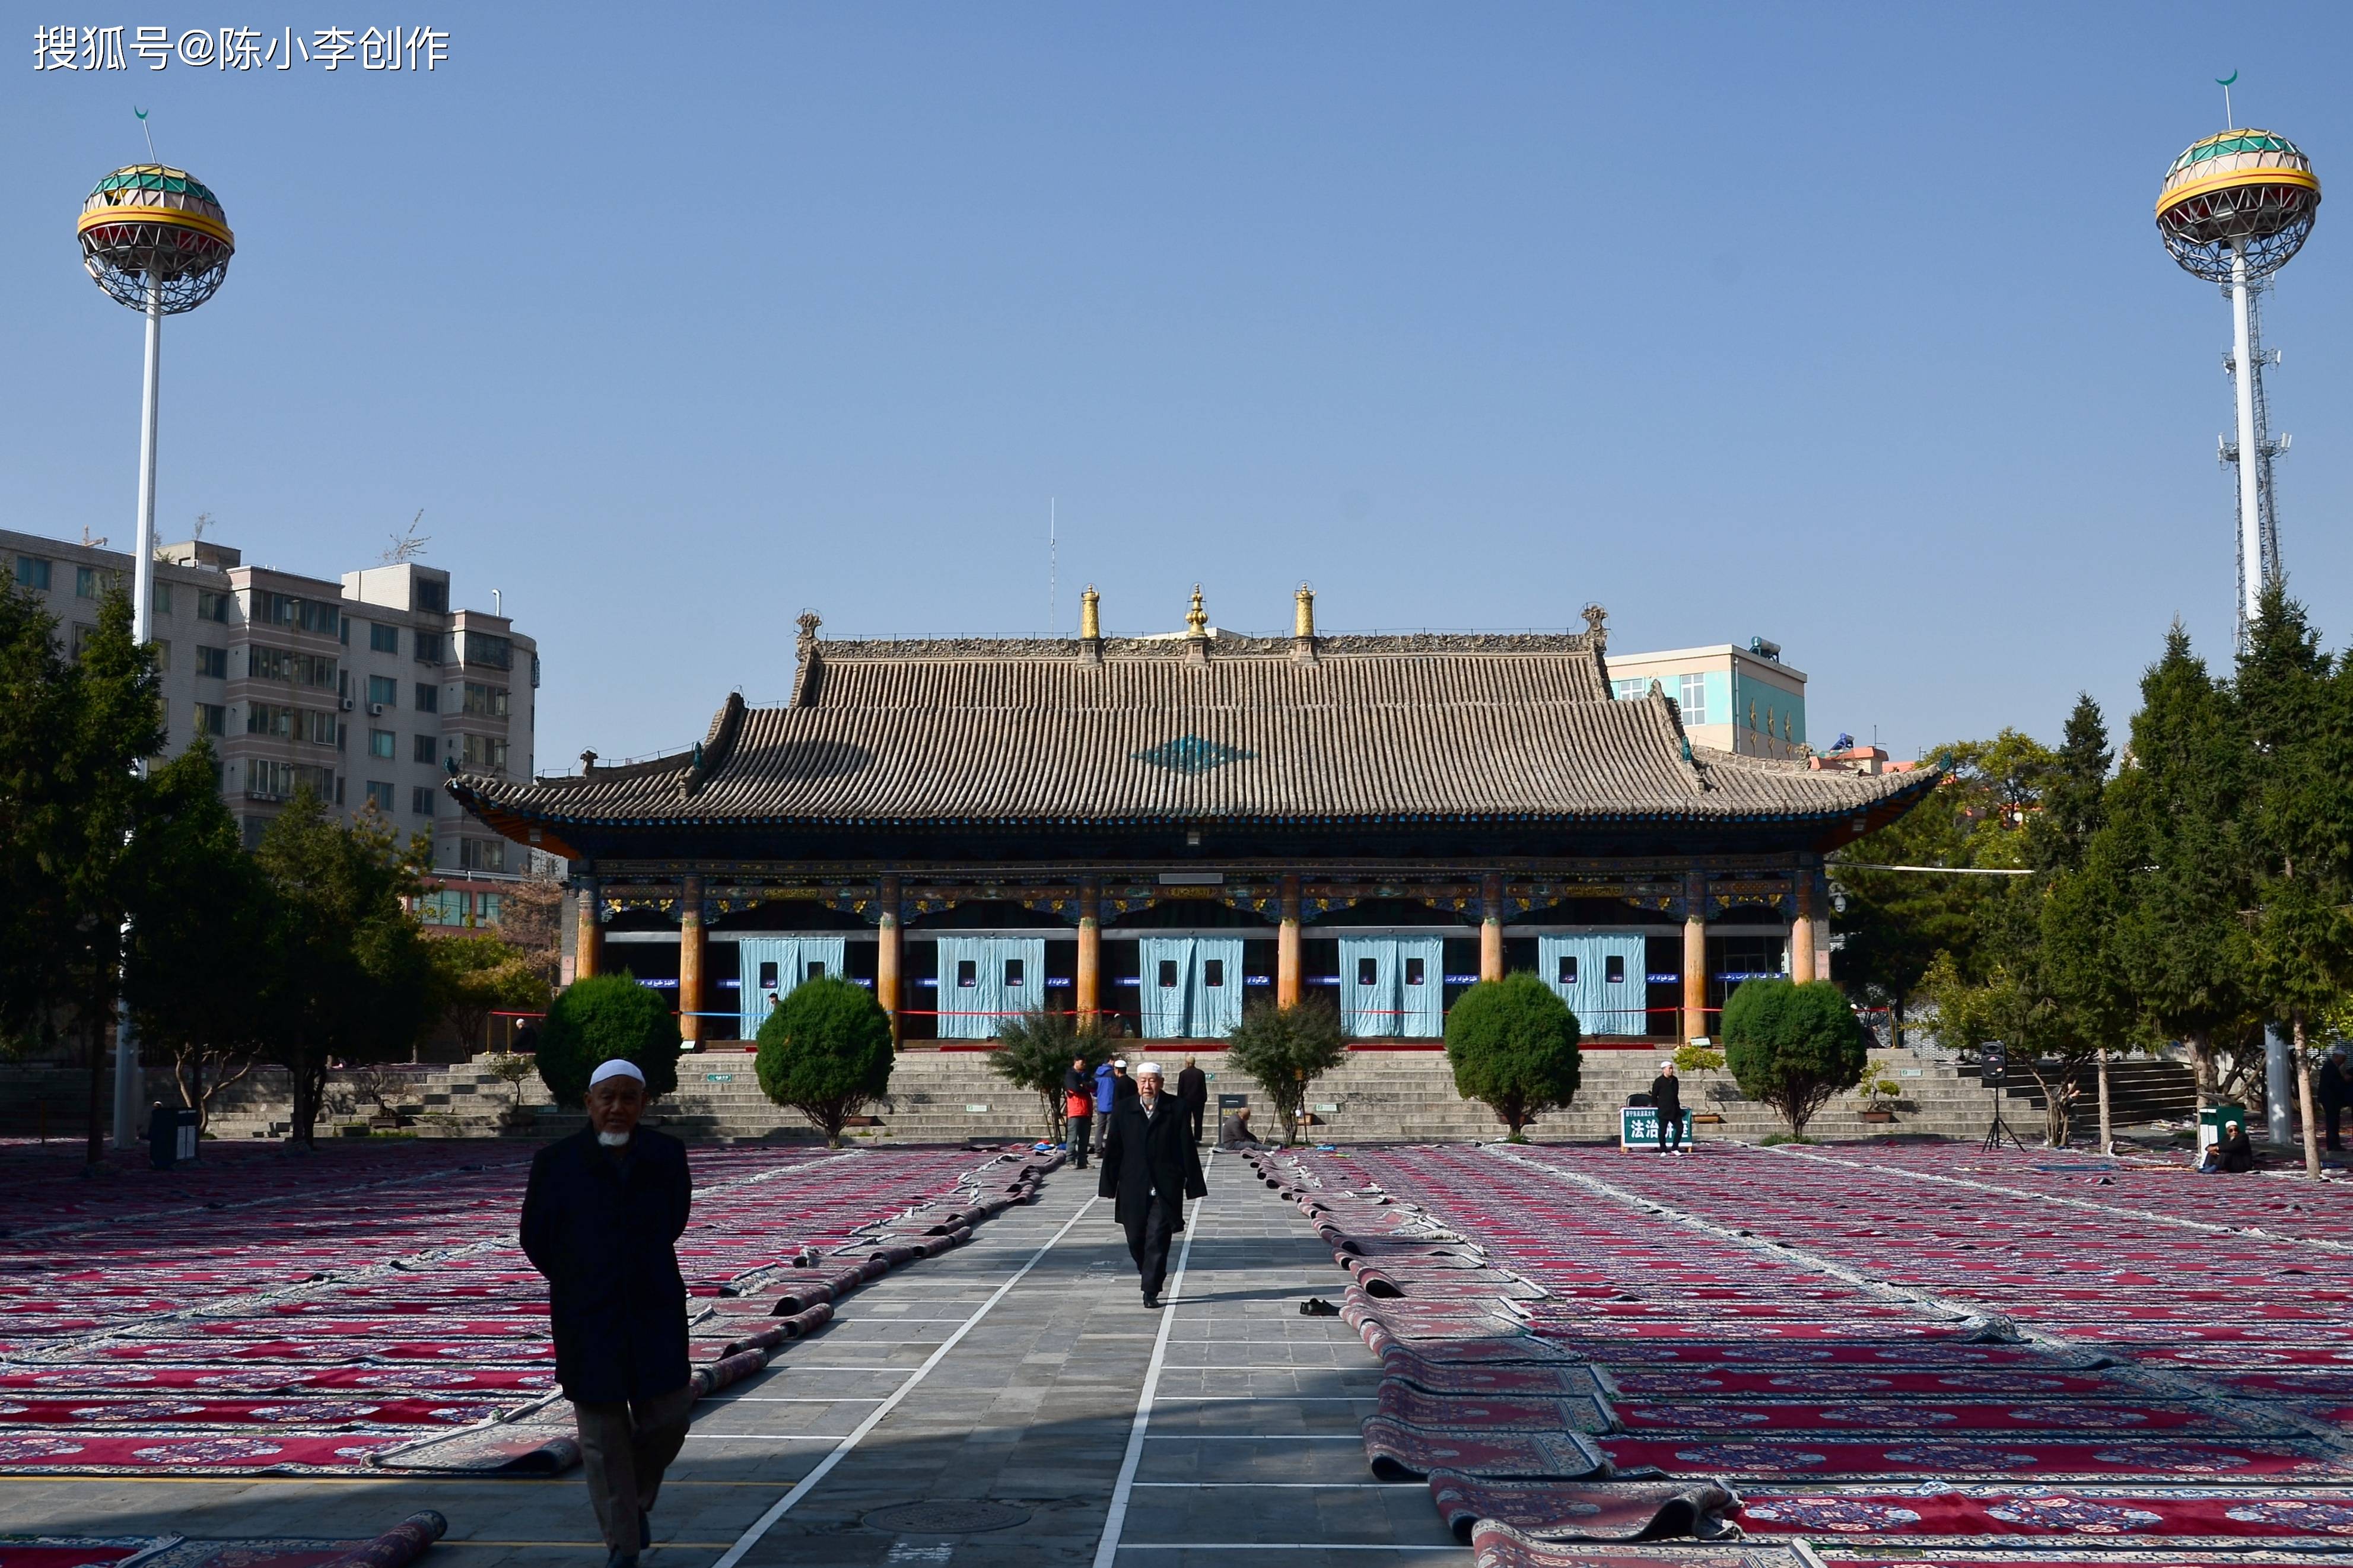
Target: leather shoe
<point>645,1529</point>
<point>1152,1300</point>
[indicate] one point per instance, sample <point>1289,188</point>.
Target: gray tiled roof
<point>1421,728</point>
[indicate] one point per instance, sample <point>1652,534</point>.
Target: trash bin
<point>2215,1118</point>
<point>171,1136</point>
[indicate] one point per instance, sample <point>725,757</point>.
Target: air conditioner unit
<point>376,710</point>
<point>347,704</point>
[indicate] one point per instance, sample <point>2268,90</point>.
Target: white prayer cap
<point>617,1068</point>
<point>1119,1062</point>
<point>1152,1068</point>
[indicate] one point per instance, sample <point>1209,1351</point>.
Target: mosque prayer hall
<point>1164,829</point>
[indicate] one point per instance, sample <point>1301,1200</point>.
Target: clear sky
<point>1848,327</point>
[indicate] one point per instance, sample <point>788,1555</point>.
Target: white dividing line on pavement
<point>1107,1550</point>
<point>1254,1437</point>
<point>808,1484</point>
<point>1286,1546</point>
<point>799,1399</point>
<point>1282,1485</point>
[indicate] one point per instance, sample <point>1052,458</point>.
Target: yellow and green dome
<point>2239,192</point>
<point>148,219</point>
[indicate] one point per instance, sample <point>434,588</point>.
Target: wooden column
<point>1288,981</point>
<point>1490,927</point>
<point>1090,985</point>
<point>888,946</point>
<point>689,962</point>
<point>588,939</point>
<point>1695,958</point>
<point>1801,930</point>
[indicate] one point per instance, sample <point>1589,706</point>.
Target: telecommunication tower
<point>155,240</point>
<point>2233,208</point>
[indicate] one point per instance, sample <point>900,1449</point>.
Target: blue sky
<point>1846,326</point>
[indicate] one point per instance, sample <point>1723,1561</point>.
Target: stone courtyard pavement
<point>1010,1401</point>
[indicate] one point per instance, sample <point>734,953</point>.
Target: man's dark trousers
<point>1081,1127</point>
<point>1148,1242</point>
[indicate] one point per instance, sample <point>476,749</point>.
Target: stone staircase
<point>949,1096</point>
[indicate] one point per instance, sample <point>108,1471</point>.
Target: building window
<point>263,663</point>
<point>1692,699</point>
<point>212,719</point>
<point>285,610</point>
<point>379,797</point>
<point>163,598</point>
<point>1613,968</point>
<point>82,632</point>
<point>90,582</point>
<point>428,698</point>
<point>420,800</point>
<point>266,719</point>
<point>1569,969</point>
<point>163,655</point>
<point>816,966</point>
<point>268,780</point>
<point>484,754</point>
<point>442,909</point>
<point>1168,974</point>
<point>968,974</point>
<point>212,662</point>
<point>489,701</point>
<point>1631,690</point>
<point>383,743</point>
<point>428,647</point>
<point>427,749</point>
<point>1213,973</point>
<point>496,652</point>
<point>383,639</point>
<point>767,975</point>
<point>32,572</point>
<point>433,597</point>
<point>482,854</point>
<point>212,606</point>
<point>1413,971</point>
<point>322,729</point>
<point>383,691</point>
<point>1368,972</point>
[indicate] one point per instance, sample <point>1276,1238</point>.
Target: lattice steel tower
<point>2234,210</point>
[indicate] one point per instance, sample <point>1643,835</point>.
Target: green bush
<point>824,1051</point>
<point>1286,1049</point>
<point>1035,1050</point>
<point>1512,1044</point>
<point>596,1019</point>
<point>1793,1046</point>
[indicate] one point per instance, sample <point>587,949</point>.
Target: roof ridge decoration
<point>807,661</point>
<point>1230,645</point>
<point>718,745</point>
<point>1693,772</point>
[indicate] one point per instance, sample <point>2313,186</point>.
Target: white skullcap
<point>1119,1062</point>
<point>618,1066</point>
<point>1152,1067</point>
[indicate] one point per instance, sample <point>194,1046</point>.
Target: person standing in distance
<point>601,1220</point>
<point>1078,1111</point>
<point>1193,1094</point>
<point>1667,1094</point>
<point>1149,1168</point>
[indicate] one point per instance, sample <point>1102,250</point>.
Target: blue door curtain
<point>1191,987</point>
<point>988,981</point>
<point>1393,986</point>
<point>771,966</point>
<point>1602,977</point>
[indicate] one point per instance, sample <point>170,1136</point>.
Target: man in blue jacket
<point>1112,1086</point>
<point>601,1219</point>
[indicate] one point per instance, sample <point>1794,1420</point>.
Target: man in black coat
<point>1193,1094</point>
<point>1667,1094</point>
<point>601,1219</point>
<point>1149,1168</point>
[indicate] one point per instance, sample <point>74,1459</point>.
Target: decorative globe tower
<point>2235,207</point>
<point>155,240</point>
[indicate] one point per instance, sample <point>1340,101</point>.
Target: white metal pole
<point>127,1082</point>
<point>2251,534</point>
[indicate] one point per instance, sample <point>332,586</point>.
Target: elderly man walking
<point>1149,1168</point>
<point>601,1219</point>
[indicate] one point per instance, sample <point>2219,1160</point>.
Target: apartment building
<point>368,689</point>
<point>1743,699</point>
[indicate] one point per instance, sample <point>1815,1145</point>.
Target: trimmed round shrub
<point>596,1019</point>
<point>1794,1046</point>
<point>1512,1044</point>
<point>824,1051</point>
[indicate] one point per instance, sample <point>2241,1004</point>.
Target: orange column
<point>1288,981</point>
<point>1090,985</point>
<point>1801,930</point>
<point>1695,958</point>
<point>588,939</point>
<point>887,950</point>
<point>1491,928</point>
<point>689,962</point>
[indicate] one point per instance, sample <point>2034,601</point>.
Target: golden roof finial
<point>1303,619</point>
<point>1090,612</point>
<point>1197,619</point>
